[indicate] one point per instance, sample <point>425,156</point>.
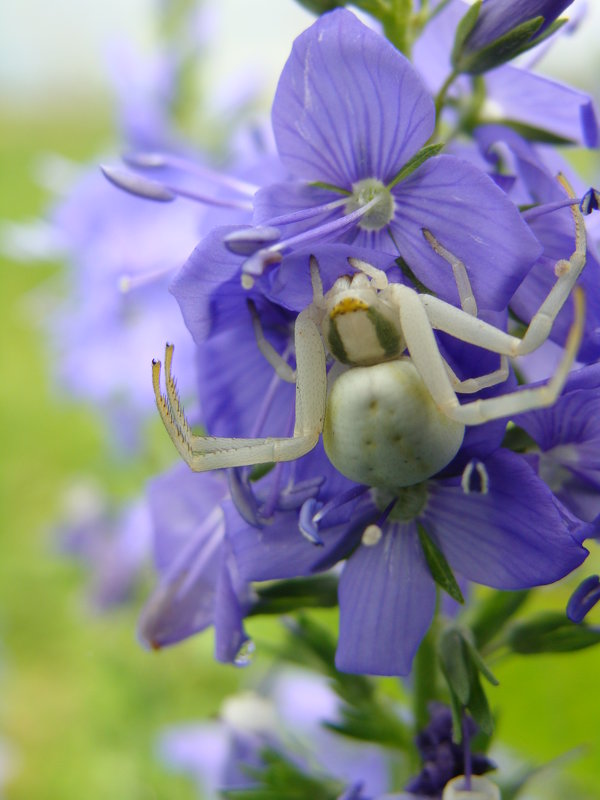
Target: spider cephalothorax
<point>391,417</point>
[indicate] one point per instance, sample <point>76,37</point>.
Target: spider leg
<point>204,453</point>
<point>472,385</point>
<point>423,349</point>
<point>463,284</point>
<point>456,322</point>
<point>279,364</point>
<point>377,276</point>
<point>508,405</point>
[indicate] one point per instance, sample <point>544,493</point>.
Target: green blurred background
<point>81,702</point>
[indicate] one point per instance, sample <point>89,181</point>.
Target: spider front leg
<point>203,453</point>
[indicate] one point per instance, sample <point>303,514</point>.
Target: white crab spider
<point>391,417</point>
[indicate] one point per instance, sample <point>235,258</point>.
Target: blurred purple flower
<point>290,720</point>
<point>511,94</point>
<point>568,437</point>
<point>199,584</point>
<point>114,548</point>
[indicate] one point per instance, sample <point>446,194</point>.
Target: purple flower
<point>289,720</point>
<point>349,114</point>
<point>511,94</point>
<point>443,759</point>
<point>495,521</point>
<point>583,599</point>
<point>114,548</point>
<point>535,169</point>
<point>568,437</point>
<point>499,17</point>
<point>122,252</point>
<point>199,582</point>
<point>217,755</point>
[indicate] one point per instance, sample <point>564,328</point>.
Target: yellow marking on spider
<point>347,305</point>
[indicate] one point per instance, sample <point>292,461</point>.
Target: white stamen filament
<point>482,473</point>
<point>156,160</point>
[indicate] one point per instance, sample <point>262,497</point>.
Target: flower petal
<point>472,218</point>
<point>387,600</point>
<point>348,104</point>
<point>522,96</point>
<point>239,391</point>
<point>189,534</point>
<point>208,268</point>
<point>513,537</point>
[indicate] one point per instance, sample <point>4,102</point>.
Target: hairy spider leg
<point>203,453</point>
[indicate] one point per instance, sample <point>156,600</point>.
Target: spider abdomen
<point>383,429</point>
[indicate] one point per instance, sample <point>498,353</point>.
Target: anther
<point>475,478</point>
<point>590,201</point>
<point>371,535</point>
<point>248,241</point>
<point>306,522</point>
<point>137,185</point>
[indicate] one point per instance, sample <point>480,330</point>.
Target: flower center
<point>410,501</point>
<point>381,213</point>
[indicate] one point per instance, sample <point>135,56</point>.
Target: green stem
<point>397,25</point>
<point>425,684</point>
<point>441,95</point>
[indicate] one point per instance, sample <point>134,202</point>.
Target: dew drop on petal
<point>245,654</point>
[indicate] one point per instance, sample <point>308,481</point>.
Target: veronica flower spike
<point>352,119</point>
<point>387,414</point>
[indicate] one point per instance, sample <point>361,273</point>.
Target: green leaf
<point>410,275</point>
<point>321,6</point>
<point>331,187</point>
<point>482,667</point>
<point>462,665</point>
<point>530,132</point>
<point>463,30</point>
<point>281,597</point>
<point>493,612</point>
<point>259,471</point>
<point>364,715</point>
<point>438,566</point>
<point>479,707</point>
<point>551,632</point>
<point>419,158</point>
<point>372,723</point>
<point>455,662</point>
<point>503,49</point>
<point>281,779</point>
<point>312,644</point>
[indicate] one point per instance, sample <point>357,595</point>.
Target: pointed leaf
<point>464,28</point>
<point>495,611</point>
<point>502,49</point>
<point>419,158</point>
<point>455,664</point>
<point>284,596</point>
<point>479,707</point>
<point>438,566</point>
<point>551,632</point>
